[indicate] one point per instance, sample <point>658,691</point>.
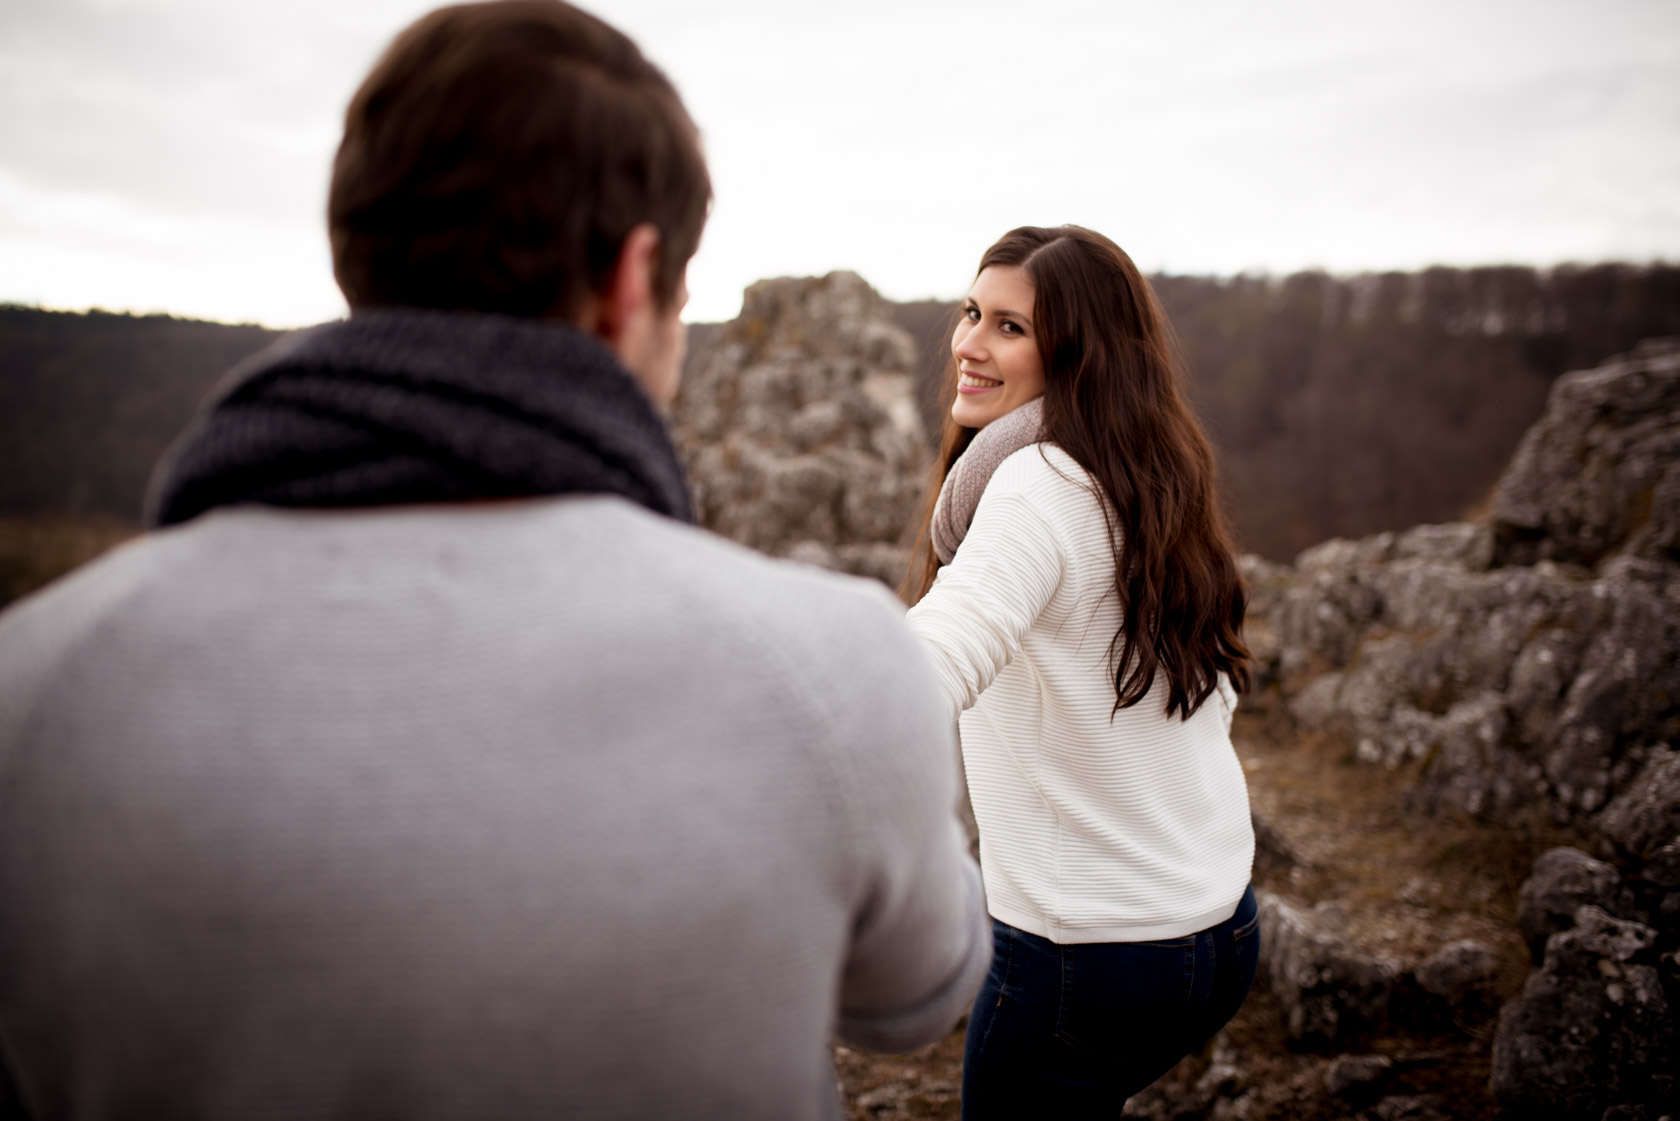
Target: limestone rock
<point>1601,467</point>
<point>1662,868</point>
<point>1592,1028</point>
<point>800,429</point>
<point>1645,819</point>
<point>1460,974</point>
<point>1513,681</point>
<point>1523,670</point>
<point>1329,990</point>
<point>1563,881</point>
<point>1358,1077</point>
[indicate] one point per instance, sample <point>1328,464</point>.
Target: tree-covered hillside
<point>88,402</point>
<point>1339,406</point>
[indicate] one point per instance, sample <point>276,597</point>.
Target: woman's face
<point>998,367</point>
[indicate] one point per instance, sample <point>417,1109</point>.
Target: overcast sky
<point>172,155</point>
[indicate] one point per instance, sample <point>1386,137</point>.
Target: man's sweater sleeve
<point>921,941</point>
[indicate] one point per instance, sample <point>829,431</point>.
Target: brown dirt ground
<point>1393,883</point>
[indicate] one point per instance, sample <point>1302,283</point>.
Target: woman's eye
<point>1009,328</point>
<point>971,313</point>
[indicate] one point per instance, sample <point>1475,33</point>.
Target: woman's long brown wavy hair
<point>1112,401</point>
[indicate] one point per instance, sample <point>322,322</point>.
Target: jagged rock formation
<point>1592,1029</point>
<point>1330,991</point>
<point>1527,666</point>
<point>1599,474</point>
<point>1519,678</point>
<point>800,428</point>
<point>1457,979</point>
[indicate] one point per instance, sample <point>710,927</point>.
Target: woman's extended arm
<point>982,603</point>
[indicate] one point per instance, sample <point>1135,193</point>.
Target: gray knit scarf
<point>959,495</point>
<point>407,405</point>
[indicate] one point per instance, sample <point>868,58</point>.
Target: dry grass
<point>1397,884</point>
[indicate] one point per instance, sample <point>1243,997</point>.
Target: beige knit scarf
<point>959,495</point>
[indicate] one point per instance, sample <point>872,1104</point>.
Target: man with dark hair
<point>424,761</point>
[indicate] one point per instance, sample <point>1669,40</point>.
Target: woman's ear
<point>628,297</point>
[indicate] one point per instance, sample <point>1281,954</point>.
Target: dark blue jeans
<point>1073,1031</point>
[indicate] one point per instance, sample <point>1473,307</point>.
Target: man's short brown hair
<point>497,157</point>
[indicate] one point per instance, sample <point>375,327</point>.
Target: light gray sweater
<point>549,808</point>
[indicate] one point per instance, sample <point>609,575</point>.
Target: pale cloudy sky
<point>172,155</point>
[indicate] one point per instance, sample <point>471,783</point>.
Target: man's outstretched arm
<point>921,940</point>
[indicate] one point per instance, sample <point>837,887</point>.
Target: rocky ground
<point>1339,844</point>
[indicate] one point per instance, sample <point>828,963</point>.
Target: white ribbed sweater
<point>1093,828</point>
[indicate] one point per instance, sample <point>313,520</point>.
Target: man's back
<point>542,807</point>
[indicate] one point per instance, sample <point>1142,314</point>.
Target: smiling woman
<point>1080,600</point>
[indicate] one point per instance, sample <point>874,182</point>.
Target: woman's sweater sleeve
<point>1228,697</point>
<point>983,603</point>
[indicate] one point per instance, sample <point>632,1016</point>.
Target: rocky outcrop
<point>800,429</point>
<point>1330,992</point>
<point>1563,881</point>
<point>1599,473</point>
<point>1528,666</point>
<point>1593,1027</point>
<point>1457,981</point>
<point>1537,689</point>
<point>1514,677</point>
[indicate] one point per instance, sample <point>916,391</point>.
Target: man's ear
<point>628,295</point>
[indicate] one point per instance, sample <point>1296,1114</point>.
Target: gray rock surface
<point>1488,656</point>
<point>1600,471</point>
<point>1358,1077</point>
<point>1563,881</point>
<point>1460,974</point>
<point>1592,1029</point>
<point>1644,821</point>
<point>1524,671</point>
<point>1330,991</point>
<point>800,430</point>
